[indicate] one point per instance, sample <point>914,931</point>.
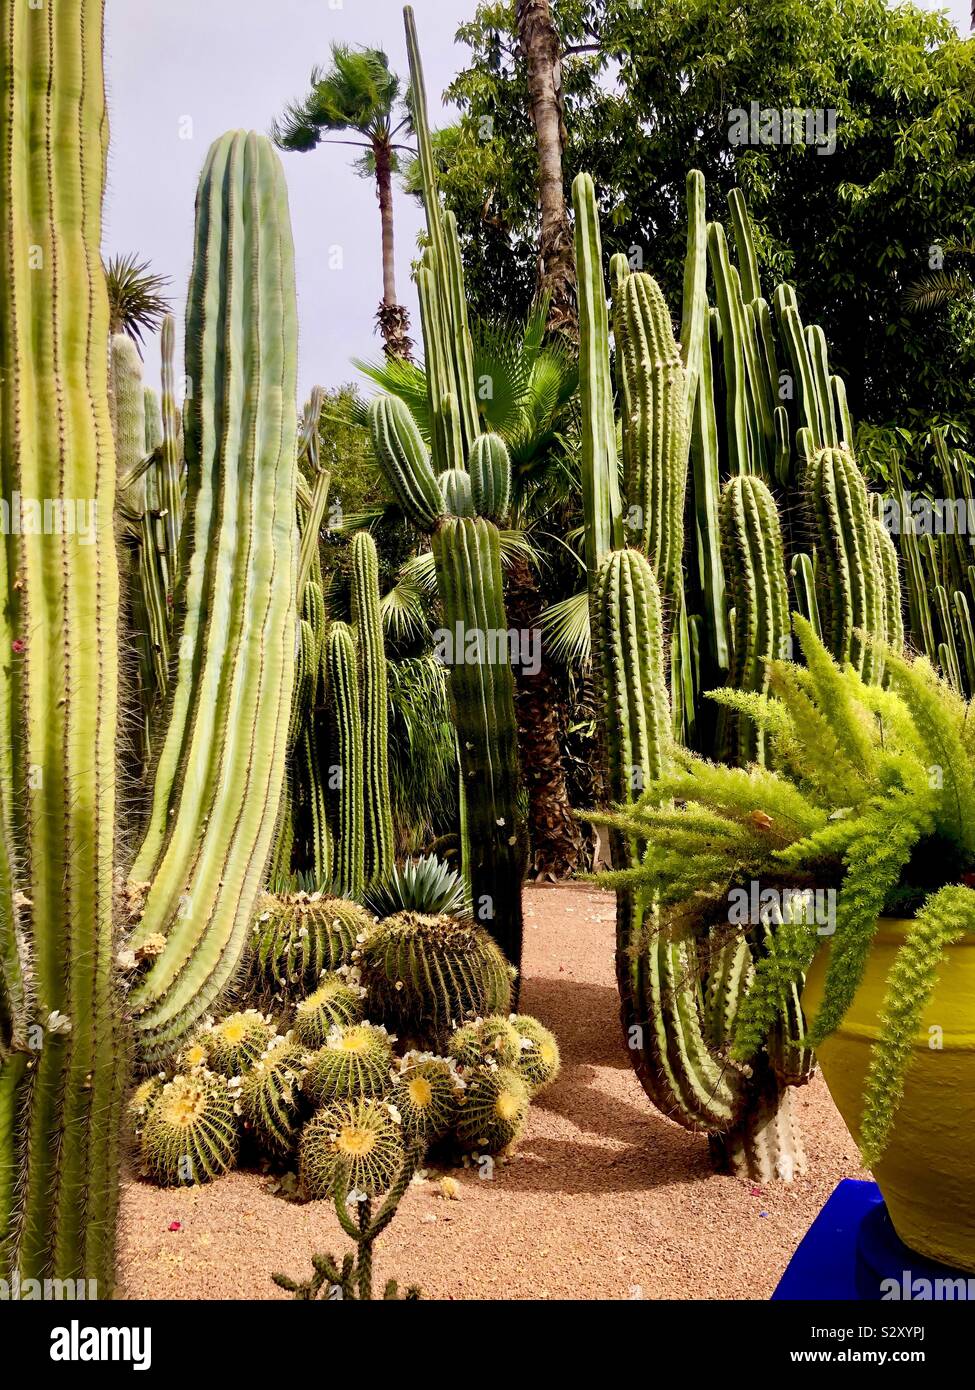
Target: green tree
<point>649,90</point>
<point>359,94</point>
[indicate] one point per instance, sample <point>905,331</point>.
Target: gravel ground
<point>604,1199</point>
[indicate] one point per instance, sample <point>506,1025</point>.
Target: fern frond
<point>944,919</point>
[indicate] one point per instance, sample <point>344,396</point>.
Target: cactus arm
<point>694,314</point>
<point>893,603</point>
<point>732,344</point>
<point>600,466</point>
<point>842,409</point>
<point>403,457</point>
<point>220,772</point>
<point>741,228</point>
<point>707,489</point>
<point>489,466</point>
<point>58,696</point>
<point>368,623</point>
<point>790,326</point>
<point>818,355</point>
<point>171,470</point>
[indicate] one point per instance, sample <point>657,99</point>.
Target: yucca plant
<point>874,796</point>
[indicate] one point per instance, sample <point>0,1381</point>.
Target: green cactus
<point>297,937</point>
<point>61,1104</point>
<point>235,1043</point>
<point>368,623</point>
<point>539,1062</point>
<point>751,541</point>
<point>489,466</point>
<point>271,1100</point>
<point>141,1102</point>
<point>357,1143</point>
<point>655,442</point>
<point>455,484</point>
<point>424,975</point>
<point>850,572</point>
<point>190,1135</point>
<point>343,691</point>
<point>405,462</point>
<point>333,1004</point>
<point>492,1115</point>
<point>221,765</point>
<point>493,1039</point>
<point>426,1095</point>
<point>355,1061</point>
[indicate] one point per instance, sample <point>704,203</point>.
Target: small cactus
<point>354,1062</point>
<point>334,1003</point>
<point>426,1095</point>
<point>234,1044</point>
<point>270,1098</point>
<point>297,937</point>
<point>492,1115</point>
<point>358,1137</point>
<point>486,1040</point>
<point>539,1062</point>
<point>424,975</point>
<point>190,1134</point>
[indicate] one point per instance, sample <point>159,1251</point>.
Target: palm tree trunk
<point>539,43</point>
<point>392,317</point>
<point>556,838</point>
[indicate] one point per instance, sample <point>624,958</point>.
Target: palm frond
<point>403,612</point>
<point>566,632</point>
<point>136,299</point>
<point>402,379</point>
<point>936,289</point>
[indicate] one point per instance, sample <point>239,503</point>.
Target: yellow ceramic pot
<point>927,1175</point>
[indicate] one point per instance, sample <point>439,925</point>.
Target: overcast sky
<point>181,72</point>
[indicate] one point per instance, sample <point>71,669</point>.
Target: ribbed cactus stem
<point>341,661</point>
<point>754,565</point>
<point>61,1096</point>
<point>600,471</point>
<point>170,477</point>
<point>489,466</point>
<point>850,576</point>
<point>220,770</point>
<point>468,558</point>
<point>893,600</point>
<point>655,430</point>
<point>405,462</point>
<point>455,485</point>
<point>367,619</point>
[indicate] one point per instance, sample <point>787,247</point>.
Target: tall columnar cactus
<point>754,562</point>
<point>655,441</point>
<point>220,770</point>
<point>850,571</point>
<point>63,1048</point>
<point>341,663</point>
<point>368,623</point>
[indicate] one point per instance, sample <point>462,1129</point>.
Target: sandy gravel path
<point>605,1199</point>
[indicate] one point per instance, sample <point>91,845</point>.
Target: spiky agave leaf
<point>136,299</point>
<point>425,884</point>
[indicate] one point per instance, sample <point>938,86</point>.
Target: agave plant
<point>425,884</point>
<point>137,302</point>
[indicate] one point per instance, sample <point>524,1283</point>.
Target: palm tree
<point>136,300</point>
<point>359,94</point>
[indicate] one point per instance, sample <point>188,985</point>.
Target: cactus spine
<point>367,619</point>
<point>751,541</point>
<point>220,771</point>
<point>60,1104</point>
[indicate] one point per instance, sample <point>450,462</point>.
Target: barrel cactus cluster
<point>742,427</point>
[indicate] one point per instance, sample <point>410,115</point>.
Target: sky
<point>181,72</point>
